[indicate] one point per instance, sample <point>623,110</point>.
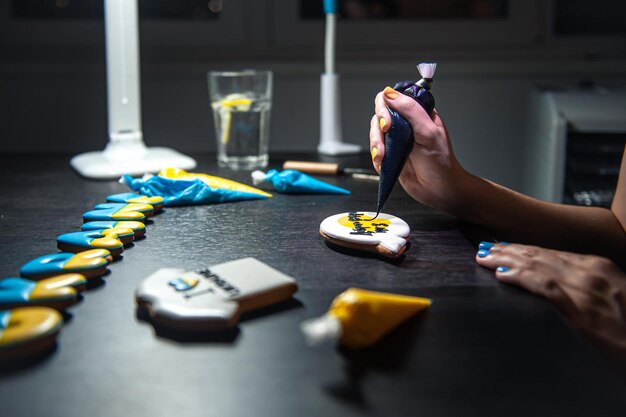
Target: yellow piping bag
<point>179,187</point>
<point>359,318</point>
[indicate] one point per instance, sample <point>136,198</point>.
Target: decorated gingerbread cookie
<point>155,201</point>
<point>139,229</point>
<point>112,240</point>
<point>27,331</point>
<point>57,292</point>
<point>90,264</point>
<point>119,211</point>
<point>386,235</point>
<point>213,298</point>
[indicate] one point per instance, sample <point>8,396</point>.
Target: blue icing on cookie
<point>122,197</point>
<point>99,225</point>
<point>101,214</point>
<point>46,264</point>
<point>113,211</point>
<point>183,284</point>
<point>85,239</point>
<point>4,320</point>
<point>122,206</point>
<point>15,290</point>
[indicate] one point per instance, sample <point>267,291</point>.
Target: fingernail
<point>390,93</point>
<point>502,269</point>
<point>382,122</point>
<point>485,245</point>
<point>483,253</point>
<point>374,152</point>
<point>377,167</point>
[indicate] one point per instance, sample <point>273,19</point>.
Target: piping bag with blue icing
<point>399,137</point>
<point>291,181</point>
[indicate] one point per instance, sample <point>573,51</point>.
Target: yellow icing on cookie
<point>146,199</point>
<point>106,242</point>
<point>125,214</point>
<point>367,225</point>
<point>28,323</point>
<point>130,224</point>
<point>117,231</point>
<point>88,259</point>
<point>46,292</point>
<point>62,281</point>
<point>211,181</point>
<point>138,207</point>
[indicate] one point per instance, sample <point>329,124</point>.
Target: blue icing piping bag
<point>290,181</point>
<point>399,137</point>
<point>181,188</point>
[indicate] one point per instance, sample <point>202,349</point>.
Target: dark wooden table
<point>482,349</point>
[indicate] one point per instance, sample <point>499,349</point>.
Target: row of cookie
<point>30,304</point>
<point>112,225</point>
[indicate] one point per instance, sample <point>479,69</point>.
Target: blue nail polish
<point>483,252</point>
<point>485,245</point>
<point>502,269</point>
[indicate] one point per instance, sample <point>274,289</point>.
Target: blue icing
<point>15,290</point>
<point>99,225</point>
<point>4,320</point>
<point>291,181</point>
<point>45,264</point>
<point>81,239</point>
<point>100,214</point>
<point>183,284</point>
<point>122,197</point>
<point>186,192</point>
<point>116,206</point>
<point>106,211</point>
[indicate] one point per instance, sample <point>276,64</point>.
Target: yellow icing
<point>28,323</point>
<point>366,316</point>
<point>211,181</point>
<point>106,242</point>
<point>46,292</point>
<point>146,199</point>
<point>138,207</point>
<point>61,281</point>
<point>130,224</point>
<point>117,231</point>
<point>125,214</point>
<point>88,259</point>
<point>368,225</point>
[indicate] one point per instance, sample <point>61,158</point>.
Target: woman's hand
<point>589,290</point>
<point>431,175</point>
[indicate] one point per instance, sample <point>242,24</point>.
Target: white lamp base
<point>115,161</point>
<point>330,120</point>
<point>338,148</point>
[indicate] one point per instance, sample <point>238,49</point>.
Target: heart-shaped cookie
<point>155,201</point>
<point>108,239</point>
<point>90,263</point>
<point>138,228</point>
<point>119,211</point>
<point>57,292</point>
<point>27,331</point>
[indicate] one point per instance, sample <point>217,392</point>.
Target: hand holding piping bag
<point>430,173</point>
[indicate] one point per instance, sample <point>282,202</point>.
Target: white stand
<point>126,152</point>
<point>330,109</point>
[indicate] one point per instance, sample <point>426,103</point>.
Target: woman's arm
<point>433,176</point>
